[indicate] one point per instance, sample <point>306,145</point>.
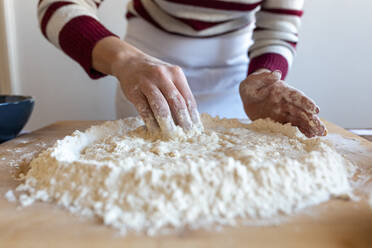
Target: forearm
<point>109,52</point>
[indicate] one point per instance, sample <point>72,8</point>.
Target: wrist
<point>270,61</point>
<point>111,53</point>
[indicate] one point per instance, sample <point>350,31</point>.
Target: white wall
<point>334,60</point>
<point>332,66</point>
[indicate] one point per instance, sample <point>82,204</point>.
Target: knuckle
<point>176,69</point>
<point>144,86</point>
<point>157,71</point>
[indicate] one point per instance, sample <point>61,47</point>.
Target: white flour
<point>10,196</point>
<point>230,172</point>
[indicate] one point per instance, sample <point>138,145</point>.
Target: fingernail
<point>325,132</point>
<point>277,74</point>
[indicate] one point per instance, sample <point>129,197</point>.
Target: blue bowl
<point>14,114</point>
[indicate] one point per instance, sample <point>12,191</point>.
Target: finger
<point>177,105</point>
<point>309,124</point>
<point>322,131</point>
<point>299,99</point>
<point>314,126</point>
<point>266,75</point>
<point>295,116</point>
<point>182,85</point>
<point>144,110</point>
<point>317,125</point>
<point>159,107</point>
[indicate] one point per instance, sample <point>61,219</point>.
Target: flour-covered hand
<point>160,93</point>
<point>265,95</point>
<point>158,90</point>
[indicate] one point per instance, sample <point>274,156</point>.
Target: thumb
<point>274,76</point>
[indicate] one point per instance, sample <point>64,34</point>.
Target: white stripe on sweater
<point>282,50</point>
<point>272,42</point>
<point>199,13</point>
<point>284,23</point>
<point>62,16</point>
<point>269,34</point>
<point>278,28</point>
<point>284,4</point>
<point>173,25</point>
<point>88,4</point>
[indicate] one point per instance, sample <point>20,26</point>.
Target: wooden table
<point>337,223</point>
<point>362,132</point>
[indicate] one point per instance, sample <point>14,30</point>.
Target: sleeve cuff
<point>271,61</point>
<point>78,38</point>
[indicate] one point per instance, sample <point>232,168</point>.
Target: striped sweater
<point>73,25</point>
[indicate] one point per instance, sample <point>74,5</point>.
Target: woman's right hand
<point>158,90</point>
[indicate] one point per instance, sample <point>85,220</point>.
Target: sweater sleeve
<point>73,27</point>
<point>276,35</point>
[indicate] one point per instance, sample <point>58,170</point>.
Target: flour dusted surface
<point>230,172</point>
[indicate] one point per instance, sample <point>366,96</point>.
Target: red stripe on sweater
<point>145,15</point>
<point>97,4</point>
<point>129,15</point>
<point>214,4</point>
<point>78,38</point>
<point>49,13</point>
<point>198,25</point>
<point>140,9</point>
<point>270,29</point>
<point>298,13</point>
<point>293,44</point>
<point>271,61</point>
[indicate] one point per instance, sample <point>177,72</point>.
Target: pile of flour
<point>232,171</point>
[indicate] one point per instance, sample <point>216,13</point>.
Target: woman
<point>180,53</point>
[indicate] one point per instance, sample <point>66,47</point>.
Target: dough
<point>229,173</point>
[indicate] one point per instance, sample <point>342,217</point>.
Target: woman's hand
<point>265,95</point>
<point>158,90</point>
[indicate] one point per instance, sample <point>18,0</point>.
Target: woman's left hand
<point>264,95</point>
